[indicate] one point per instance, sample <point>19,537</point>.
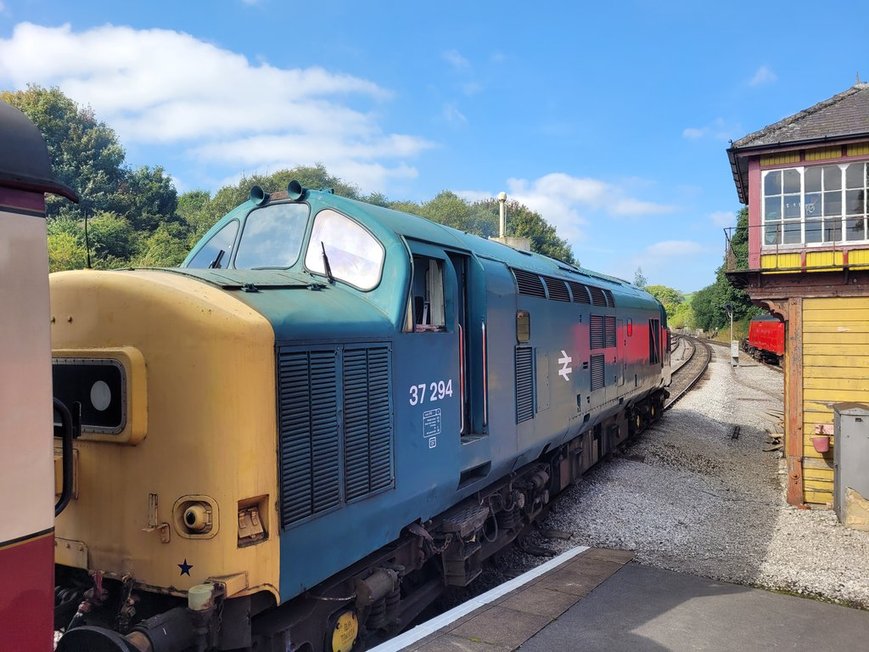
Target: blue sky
<point>610,119</point>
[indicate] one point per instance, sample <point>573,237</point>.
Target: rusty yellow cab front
<point>175,473</point>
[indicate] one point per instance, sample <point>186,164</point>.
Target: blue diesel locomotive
<point>328,414</point>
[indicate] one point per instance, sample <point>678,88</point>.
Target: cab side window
<point>425,310</point>
<point>353,254</point>
<point>215,254</point>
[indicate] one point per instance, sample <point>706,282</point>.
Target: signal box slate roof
<point>842,117</point>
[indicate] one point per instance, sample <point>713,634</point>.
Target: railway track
<point>690,370</point>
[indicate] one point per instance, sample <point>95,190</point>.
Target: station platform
<point>597,599</point>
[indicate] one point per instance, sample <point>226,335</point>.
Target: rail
<point>690,371</point>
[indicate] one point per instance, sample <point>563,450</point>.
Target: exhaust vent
<point>529,283</point>
<point>580,292</point>
<point>557,289</point>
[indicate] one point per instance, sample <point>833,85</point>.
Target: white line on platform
<point>438,622</point>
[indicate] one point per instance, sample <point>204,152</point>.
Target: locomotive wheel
<point>653,411</point>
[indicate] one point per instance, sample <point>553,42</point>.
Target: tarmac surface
<point>598,599</point>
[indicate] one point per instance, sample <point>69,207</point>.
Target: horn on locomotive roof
<point>258,196</point>
<point>295,190</point>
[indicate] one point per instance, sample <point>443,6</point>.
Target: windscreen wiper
<point>326,263</point>
<point>215,264</point>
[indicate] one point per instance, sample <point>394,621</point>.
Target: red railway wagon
<point>766,339</point>
<point>27,486</point>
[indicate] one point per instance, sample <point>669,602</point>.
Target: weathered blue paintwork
<point>306,310</point>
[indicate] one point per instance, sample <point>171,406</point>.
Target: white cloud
<point>568,202</point>
<point>456,60</point>
<point>452,114</point>
<point>669,248</point>
<point>160,86</point>
<point>472,88</point>
<point>718,129</point>
<point>723,218</point>
<point>763,75</point>
<point>474,195</point>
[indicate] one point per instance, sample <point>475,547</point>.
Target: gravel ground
<point>688,496</point>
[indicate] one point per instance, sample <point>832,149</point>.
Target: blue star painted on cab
<point>185,567</point>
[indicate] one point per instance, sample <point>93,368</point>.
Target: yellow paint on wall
<point>811,339</point>
<point>824,259</point>
<point>823,153</point>
<point>810,452</point>
<point>819,475</point>
<point>860,149</point>
<point>847,382</point>
<point>835,327</point>
<point>818,374</point>
<point>818,497</point>
<point>858,258</point>
<point>780,159</point>
<point>834,359</point>
<point>842,314</point>
<point>835,334</point>
<point>769,262</point>
<point>818,486</point>
<point>835,303</point>
<point>837,396</point>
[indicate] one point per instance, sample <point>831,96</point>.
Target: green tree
<point>525,223</point>
<point>670,298</point>
<point>65,252</point>
<point>194,209</point>
<point>682,316</point>
<point>739,239</point>
<point>86,155</point>
<point>315,177</point>
<point>84,152</point>
<point>112,239</point>
<point>147,198</point>
<point>165,247</point>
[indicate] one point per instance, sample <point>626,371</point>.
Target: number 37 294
<point>437,390</point>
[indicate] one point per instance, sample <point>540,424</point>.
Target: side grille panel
<point>610,329</point>
<point>308,433</point>
<point>367,423</point>
<point>314,447</point>
<point>596,331</point>
<point>597,372</point>
<point>524,384</point>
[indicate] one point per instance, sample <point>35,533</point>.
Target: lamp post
<point>734,345</point>
<point>502,205</point>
